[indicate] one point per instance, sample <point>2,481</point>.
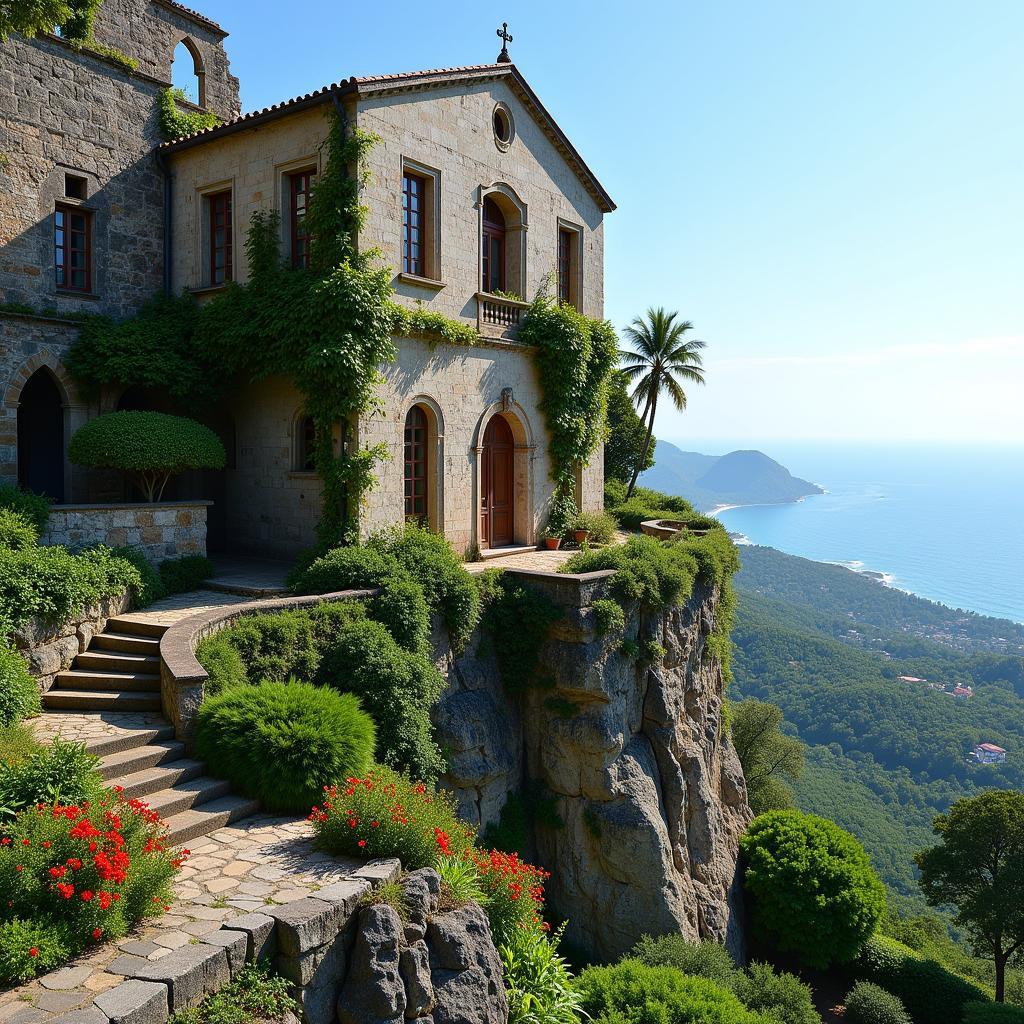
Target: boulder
<point>373,990</point>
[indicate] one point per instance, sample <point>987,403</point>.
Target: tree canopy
<point>624,444</point>
<point>769,757</point>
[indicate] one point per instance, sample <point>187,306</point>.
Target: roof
<point>990,747</point>
<point>411,81</point>
<point>192,15</point>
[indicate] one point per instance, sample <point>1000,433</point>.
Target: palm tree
<point>659,360</point>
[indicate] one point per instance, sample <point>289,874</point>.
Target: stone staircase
<point>115,678</point>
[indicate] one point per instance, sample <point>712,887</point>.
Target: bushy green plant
<point>33,507</point>
<point>384,813</point>
<point>397,688</point>
<point>600,525</point>
<point>52,584</point>
<point>222,661</point>
<point>608,617</point>
<point>402,607</point>
<point>993,1013</point>
<point>460,881</point>
<point>32,947</point>
<point>275,645</point>
<point>151,446</point>
<point>514,890</point>
<point>19,694</point>
<point>782,997</point>
<point>867,1003</point>
<point>517,620</point>
<point>704,959</point>
<point>282,743</point>
<point>348,568</point>
<point>60,771</point>
<point>811,887</point>
<point>176,123</point>
<point>17,745</point>
<point>931,993</point>
<point>255,994</point>
<point>562,514</point>
<point>630,514</point>
<point>180,575</point>
<point>151,587</point>
<point>633,993</point>
<point>538,983</point>
<point>16,531</point>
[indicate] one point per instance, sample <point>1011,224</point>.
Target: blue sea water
<point>946,523</point>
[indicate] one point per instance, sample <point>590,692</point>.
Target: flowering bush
<point>514,890</point>
<point>386,814</point>
<point>75,874</point>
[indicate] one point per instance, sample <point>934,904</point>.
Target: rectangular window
<point>568,265</point>
<point>72,248</point>
<point>300,185</point>
<point>218,207</point>
<point>75,186</point>
<point>414,189</point>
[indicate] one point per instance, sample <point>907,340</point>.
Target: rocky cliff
<point>634,755</point>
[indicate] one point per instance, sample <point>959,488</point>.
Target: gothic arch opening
<point>423,459</point>
<point>41,436</point>
<point>502,241</point>
<point>188,73</point>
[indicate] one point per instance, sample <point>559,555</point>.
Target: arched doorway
<point>497,493</point>
<point>41,436</point>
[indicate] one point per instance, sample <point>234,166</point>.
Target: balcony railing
<point>499,317</point>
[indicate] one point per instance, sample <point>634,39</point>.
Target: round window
<point>504,127</point>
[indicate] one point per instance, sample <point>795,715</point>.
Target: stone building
<point>476,196</point>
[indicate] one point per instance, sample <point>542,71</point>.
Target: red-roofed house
<point>988,753</point>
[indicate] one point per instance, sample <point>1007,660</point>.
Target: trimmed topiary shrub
<point>16,530</point>
<point>633,993</point>
<point>811,888</point>
<point>930,993</point>
<point>993,1013</point>
<point>397,688</point>
<point>282,743</point>
<point>31,506</point>
<point>19,694</point>
<point>706,959</point>
<point>150,446</point>
<point>870,1004</point>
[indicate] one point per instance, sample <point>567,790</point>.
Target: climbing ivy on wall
<point>176,123</point>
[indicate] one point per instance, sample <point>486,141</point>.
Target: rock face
<point>440,965</point>
<point>649,789</point>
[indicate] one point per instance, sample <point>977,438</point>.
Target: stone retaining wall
<point>51,649</point>
<point>168,529</point>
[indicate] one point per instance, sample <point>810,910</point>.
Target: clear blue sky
<point>833,193</point>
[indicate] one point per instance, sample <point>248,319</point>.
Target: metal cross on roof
<point>506,38</point>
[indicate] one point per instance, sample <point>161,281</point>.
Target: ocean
<point>946,523</point>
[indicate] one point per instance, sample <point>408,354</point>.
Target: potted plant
<point>561,517</point>
<point>551,541</point>
<point>580,530</point>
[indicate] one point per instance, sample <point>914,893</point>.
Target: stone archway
<point>41,463</point>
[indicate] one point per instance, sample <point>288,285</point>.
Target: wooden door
<point>497,499</point>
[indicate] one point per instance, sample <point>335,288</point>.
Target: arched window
<point>493,248</point>
<point>187,72</point>
<point>416,464</point>
<point>41,436</point>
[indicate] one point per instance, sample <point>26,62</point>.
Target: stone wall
<point>51,649</point>
<point>161,530</point>
<point>634,757</point>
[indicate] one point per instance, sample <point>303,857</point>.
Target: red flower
<point>26,842</point>
<point>362,843</point>
<point>33,951</point>
<point>86,895</point>
<point>96,933</point>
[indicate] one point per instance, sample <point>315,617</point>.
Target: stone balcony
<point>499,317</point>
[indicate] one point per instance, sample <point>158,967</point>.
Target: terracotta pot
<point>552,543</point>
<point>581,536</point>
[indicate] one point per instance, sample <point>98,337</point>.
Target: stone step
<point>188,795</point>
<point>126,643</point>
<point>136,759</point>
<point>112,661</point>
<point>131,737</point>
<point>99,701</point>
<point>159,778</point>
<point>136,627</point>
<point>201,821</point>
<point>92,679</point>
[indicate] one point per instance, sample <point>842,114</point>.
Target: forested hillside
<point>884,755</point>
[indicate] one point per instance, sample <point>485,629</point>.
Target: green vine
<point>176,123</point>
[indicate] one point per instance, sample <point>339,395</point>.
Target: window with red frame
<point>300,184</point>
<point>218,208</point>
<point>72,248</point>
<point>416,464</point>
<point>414,197</point>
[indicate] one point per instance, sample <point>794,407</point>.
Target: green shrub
<point>993,1013</point>
<point>460,881</point>
<point>633,993</point>
<point>562,514</point>
<point>608,617</point>
<point>223,663</point>
<point>33,947</point>
<point>17,745</point>
<point>383,813</point>
<point>52,584</point>
<point>58,772</point>
<point>600,525</point>
<point>783,997</point>
<point>931,994</point>
<point>351,568</point>
<point>397,688</point>
<point>255,994</point>
<point>151,586</point>
<point>180,575</point>
<point>539,985</point>
<point>275,645</point>
<point>518,620</point>
<point>402,607</point>
<point>152,446</point>
<point>869,1004</point>
<point>16,531</point>
<point>33,507</point>
<point>811,887</point>
<point>282,743</point>
<point>514,891</point>
<point>19,694</point>
<point>704,959</point>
